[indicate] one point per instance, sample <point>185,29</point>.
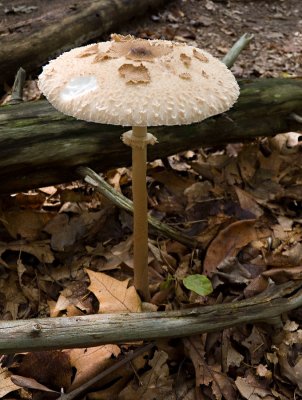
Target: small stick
<point>237,48</point>
<point>17,90</point>
<point>296,117</point>
<point>114,367</point>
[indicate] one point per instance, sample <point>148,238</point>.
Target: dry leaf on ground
<point>208,375</point>
<point>154,384</point>
<point>90,362</point>
<point>229,241</point>
<point>112,294</point>
<point>6,384</point>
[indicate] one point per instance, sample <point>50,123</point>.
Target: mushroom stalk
<point>138,138</point>
<point>140,222</point>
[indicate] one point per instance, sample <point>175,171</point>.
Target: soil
<point>212,25</point>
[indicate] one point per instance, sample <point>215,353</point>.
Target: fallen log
<point>93,330</point>
<point>40,146</point>
<point>35,40</point>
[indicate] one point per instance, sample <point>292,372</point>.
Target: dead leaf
<point>13,295</point>
<point>49,368</point>
<point>40,249</point>
<point>154,384</point>
<point>30,383</point>
<point>208,375</point>
<point>289,355</point>
<point>281,275</point>
<point>65,230</point>
<point>257,344</point>
<point>90,362</point>
<point>6,384</point>
<point>229,241</point>
<point>113,295</point>
<point>247,202</point>
<point>26,224</point>
<point>252,389</point>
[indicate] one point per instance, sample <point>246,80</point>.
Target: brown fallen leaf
<point>90,362</point>
<point>153,384</point>
<point>257,344</point>
<point>289,355</point>
<point>112,294</point>
<point>65,230</point>
<point>247,202</point>
<point>281,275</point>
<point>13,296</point>
<point>40,249</point>
<point>49,368</point>
<point>30,383</point>
<point>229,241</point>
<point>252,389</point>
<point>26,224</point>
<point>208,375</point>
<point>6,384</point>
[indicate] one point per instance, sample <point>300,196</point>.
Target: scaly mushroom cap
<point>137,82</point>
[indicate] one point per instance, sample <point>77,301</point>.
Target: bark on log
<point>36,40</point>
<point>40,146</point>
<point>93,330</point>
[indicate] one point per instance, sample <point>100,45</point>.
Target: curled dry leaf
<point>229,241</point>
<point>30,383</point>
<point>113,295</point>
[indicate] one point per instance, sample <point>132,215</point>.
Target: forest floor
<point>64,250</point>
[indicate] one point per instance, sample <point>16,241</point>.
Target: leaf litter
<point>251,232</point>
<point>65,251</point>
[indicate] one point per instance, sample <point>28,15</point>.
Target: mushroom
<point>138,83</point>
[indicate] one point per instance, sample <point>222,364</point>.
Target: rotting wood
<point>42,38</point>
<point>40,146</point>
<point>94,330</point>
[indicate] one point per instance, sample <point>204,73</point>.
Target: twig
<point>93,330</point>
<point>17,90</point>
<point>237,48</point>
<point>121,201</point>
<point>97,378</point>
<point>296,117</point>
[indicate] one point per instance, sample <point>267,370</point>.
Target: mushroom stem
<point>138,142</point>
<point>138,138</point>
<point>140,223</point>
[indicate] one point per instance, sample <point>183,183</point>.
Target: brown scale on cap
<point>91,51</point>
<point>129,47</point>
<point>185,75</point>
<point>185,59</point>
<point>134,74</point>
<point>200,56</point>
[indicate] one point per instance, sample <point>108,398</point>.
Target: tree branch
<point>93,330</point>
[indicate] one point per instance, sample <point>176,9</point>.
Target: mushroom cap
<point>136,82</point>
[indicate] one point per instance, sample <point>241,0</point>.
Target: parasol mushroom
<point>138,83</point>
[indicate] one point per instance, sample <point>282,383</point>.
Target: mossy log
<point>40,146</point>
<point>35,40</point>
<point>93,330</point>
